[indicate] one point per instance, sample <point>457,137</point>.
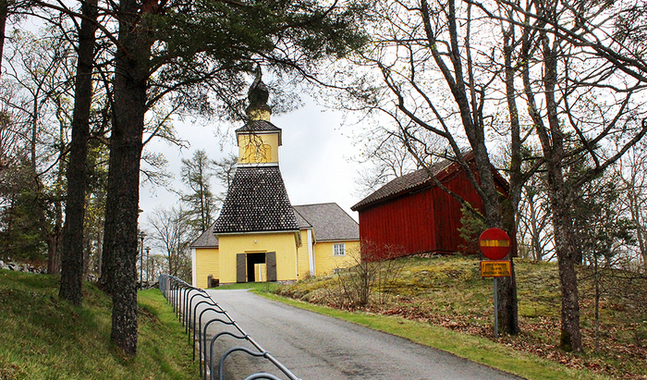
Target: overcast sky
<point>314,159</point>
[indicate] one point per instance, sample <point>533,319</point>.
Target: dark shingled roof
<point>258,126</point>
<point>405,183</point>
<point>329,221</point>
<point>206,240</point>
<point>256,201</point>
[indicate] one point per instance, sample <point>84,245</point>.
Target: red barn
<point>415,215</point>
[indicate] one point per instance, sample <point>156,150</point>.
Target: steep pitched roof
<point>256,201</point>
<point>206,240</point>
<point>404,183</point>
<point>329,221</point>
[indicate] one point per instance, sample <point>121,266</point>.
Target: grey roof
<point>404,183</point>
<point>256,202</point>
<point>206,240</point>
<point>303,224</point>
<point>329,221</point>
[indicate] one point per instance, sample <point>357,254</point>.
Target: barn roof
<point>404,183</point>
<point>206,240</point>
<point>329,221</point>
<point>256,202</point>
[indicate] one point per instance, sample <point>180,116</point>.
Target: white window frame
<point>337,247</point>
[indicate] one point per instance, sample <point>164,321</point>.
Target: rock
<point>26,268</point>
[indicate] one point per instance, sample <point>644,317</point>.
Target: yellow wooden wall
<point>303,266</point>
<point>263,142</point>
<point>207,263</point>
<point>292,262</point>
<point>284,244</point>
<point>326,263</point>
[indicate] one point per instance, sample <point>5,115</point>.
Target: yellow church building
<point>259,236</point>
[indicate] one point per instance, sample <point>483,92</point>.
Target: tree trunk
<point>508,305</point>
<point>53,253</point>
<point>464,91</point>
<point>570,337</point>
<point>4,11</point>
<point>72,267</point>
<point>508,312</point>
<point>119,271</point>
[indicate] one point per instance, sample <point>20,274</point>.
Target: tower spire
<point>258,95</point>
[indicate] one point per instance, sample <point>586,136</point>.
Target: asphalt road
<point>316,347</point>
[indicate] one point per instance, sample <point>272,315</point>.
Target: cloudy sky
<point>314,158</point>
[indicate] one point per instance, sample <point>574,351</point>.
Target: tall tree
<point>533,228</point>
<point>462,63</point>
<point>631,171</point>
<point>37,85</point>
<point>72,245</point>
<point>4,12</point>
<point>202,45</point>
<point>225,169</point>
<point>435,76</point>
<point>171,233</point>
<point>582,87</point>
<point>197,173</point>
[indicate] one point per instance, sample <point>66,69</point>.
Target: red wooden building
<point>413,215</point>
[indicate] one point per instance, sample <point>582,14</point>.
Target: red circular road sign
<point>494,243</point>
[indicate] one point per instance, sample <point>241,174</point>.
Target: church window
<point>339,249</point>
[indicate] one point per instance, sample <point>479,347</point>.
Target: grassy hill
<point>44,338</point>
<point>448,292</point>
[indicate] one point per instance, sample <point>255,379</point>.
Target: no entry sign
<point>494,243</point>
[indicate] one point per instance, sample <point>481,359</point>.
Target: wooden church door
<point>241,267</point>
<point>270,260</point>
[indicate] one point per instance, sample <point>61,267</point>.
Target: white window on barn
<point>339,249</point>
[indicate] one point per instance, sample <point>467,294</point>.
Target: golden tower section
<point>259,140</point>
<point>258,147</point>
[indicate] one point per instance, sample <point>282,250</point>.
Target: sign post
<point>495,245</point>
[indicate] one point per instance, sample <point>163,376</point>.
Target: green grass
<point>261,286</point>
<point>474,348</point>
<point>443,302</point>
<point>45,338</point>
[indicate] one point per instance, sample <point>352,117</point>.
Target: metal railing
<point>185,300</point>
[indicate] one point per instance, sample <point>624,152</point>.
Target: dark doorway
<point>253,258</point>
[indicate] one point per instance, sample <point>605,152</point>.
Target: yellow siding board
<point>207,263</point>
<point>284,244</point>
<point>258,148</point>
<point>304,260</point>
<point>326,263</point>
